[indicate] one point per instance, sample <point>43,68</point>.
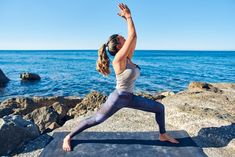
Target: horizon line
<point>97,50</point>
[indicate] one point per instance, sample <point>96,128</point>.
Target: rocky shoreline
<point>205,110</point>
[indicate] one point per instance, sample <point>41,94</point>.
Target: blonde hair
<point>102,64</point>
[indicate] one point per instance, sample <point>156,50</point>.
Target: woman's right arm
<point>131,38</point>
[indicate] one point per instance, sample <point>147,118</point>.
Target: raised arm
<point>132,49</point>
<point>129,45</point>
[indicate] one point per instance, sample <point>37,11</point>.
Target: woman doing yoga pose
<point>126,74</point>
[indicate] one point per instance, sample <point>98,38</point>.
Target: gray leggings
<point>117,100</point>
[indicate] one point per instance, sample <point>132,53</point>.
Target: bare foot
<point>165,137</point>
<point>66,144</point>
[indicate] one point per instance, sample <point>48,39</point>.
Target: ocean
<point>73,72</point>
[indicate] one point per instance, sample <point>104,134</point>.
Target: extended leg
<point>107,109</point>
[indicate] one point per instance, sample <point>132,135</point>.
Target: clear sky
<point>86,24</point>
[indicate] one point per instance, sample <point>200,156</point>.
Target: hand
<point>124,11</point>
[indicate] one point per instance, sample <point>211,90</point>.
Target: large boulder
<point>43,117</point>
<point>3,79</point>
<point>14,132</point>
<point>90,102</point>
<point>48,113</point>
<point>30,76</point>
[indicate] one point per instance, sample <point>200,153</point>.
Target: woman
<point>126,74</point>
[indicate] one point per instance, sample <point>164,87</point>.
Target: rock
<point>229,87</point>
<point>42,110</point>
<point>202,86</point>
<point>19,106</point>
<point>92,101</point>
<point>43,117</point>
<point>157,96</point>
<point>14,132</point>
<point>71,101</point>
<point>53,126</point>
<point>62,110</point>
<point>167,93</point>
<point>30,76</point>
<point>3,79</point>
<point>23,106</point>
<point>147,95</point>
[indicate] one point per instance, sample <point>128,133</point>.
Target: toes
<point>177,141</point>
<point>66,149</point>
<point>174,141</point>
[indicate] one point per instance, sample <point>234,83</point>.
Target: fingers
<point>124,10</point>
<point>122,6</point>
<point>127,7</point>
<point>119,14</point>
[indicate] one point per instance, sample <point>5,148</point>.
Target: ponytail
<point>102,64</point>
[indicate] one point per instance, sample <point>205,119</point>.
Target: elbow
<point>133,35</point>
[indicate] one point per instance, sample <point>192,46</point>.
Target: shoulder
<point>117,61</point>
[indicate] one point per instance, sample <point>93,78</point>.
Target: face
<point>121,41</point>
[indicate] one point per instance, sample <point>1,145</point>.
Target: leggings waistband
<point>119,91</point>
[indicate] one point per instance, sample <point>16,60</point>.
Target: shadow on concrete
<point>215,136</point>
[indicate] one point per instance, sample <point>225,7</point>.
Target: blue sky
<point>86,24</point>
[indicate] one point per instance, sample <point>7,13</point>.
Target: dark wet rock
<point>14,132</point>
<point>90,103</point>
<point>30,76</point>
<point>3,79</point>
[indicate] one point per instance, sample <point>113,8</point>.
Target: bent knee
<point>99,118</point>
<point>160,107</point>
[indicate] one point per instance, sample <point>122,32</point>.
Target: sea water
<point>73,72</point>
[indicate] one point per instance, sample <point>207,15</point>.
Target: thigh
<point>145,104</point>
<point>115,101</point>
<point>109,106</point>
